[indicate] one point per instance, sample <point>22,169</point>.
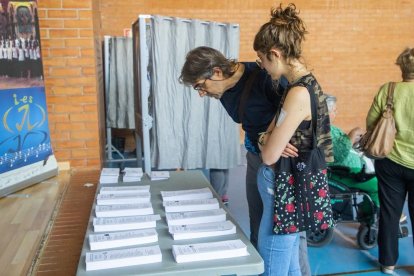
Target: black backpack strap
<point>246,92</point>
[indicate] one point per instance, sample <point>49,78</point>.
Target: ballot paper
<point>202,230</point>
<point>123,210</point>
<point>191,205</point>
<point>209,251</point>
<point>109,199</point>
<point>125,223</point>
<point>109,175</point>
<point>123,257</point>
<point>185,218</point>
<point>120,239</point>
<point>124,189</point>
<point>159,175</point>
<point>133,171</point>
<point>132,174</point>
<point>203,193</point>
<point>110,171</point>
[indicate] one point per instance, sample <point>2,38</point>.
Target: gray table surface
<point>248,265</point>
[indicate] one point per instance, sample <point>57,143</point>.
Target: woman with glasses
<point>278,46</point>
<point>251,98</point>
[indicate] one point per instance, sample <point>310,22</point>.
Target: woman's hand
<point>290,151</point>
<point>355,135</point>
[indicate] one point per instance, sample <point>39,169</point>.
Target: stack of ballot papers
<point>125,223</point>
<point>124,189</point>
<point>185,218</point>
<point>131,198</point>
<point>209,251</point>
<point>123,210</point>
<point>159,175</point>
<point>109,175</point>
<point>203,193</point>
<point>202,230</point>
<point>120,239</point>
<point>132,174</point>
<point>123,257</point>
<point>191,205</point>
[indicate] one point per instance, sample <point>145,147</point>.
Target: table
<point>248,265</point>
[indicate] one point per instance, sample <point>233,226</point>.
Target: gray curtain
<point>188,131</point>
<point>119,95</point>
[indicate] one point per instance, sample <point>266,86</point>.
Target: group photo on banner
<point>24,129</point>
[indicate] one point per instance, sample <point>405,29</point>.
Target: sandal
<point>387,269</point>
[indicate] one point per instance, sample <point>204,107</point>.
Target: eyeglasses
<point>200,86</point>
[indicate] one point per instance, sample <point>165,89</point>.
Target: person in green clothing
<point>346,156</point>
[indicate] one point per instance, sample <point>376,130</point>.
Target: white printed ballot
<point>209,251</point>
<point>109,175</point>
<point>123,210</point>
<point>125,223</point>
<point>185,218</point>
<point>109,199</point>
<point>133,171</point>
<point>202,230</point>
<point>124,189</point>
<point>123,257</point>
<point>159,175</point>
<point>203,193</point>
<point>132,174</point>
<point>120,239</point>
<point>191,205</point>
<point>110,172</point>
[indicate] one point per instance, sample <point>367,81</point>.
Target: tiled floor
<point>342,256</point>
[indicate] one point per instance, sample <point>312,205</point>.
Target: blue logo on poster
<point>24,130</point>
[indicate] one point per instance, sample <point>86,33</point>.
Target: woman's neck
<point>296,71</point>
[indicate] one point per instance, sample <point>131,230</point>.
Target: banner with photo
<point>26,155</point>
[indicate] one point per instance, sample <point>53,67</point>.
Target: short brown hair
<point>199,64</point>
<point>285,31</point>
<point>406,62</point>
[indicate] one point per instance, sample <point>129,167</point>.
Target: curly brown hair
<point>406,62</point>
<point>284,31</point>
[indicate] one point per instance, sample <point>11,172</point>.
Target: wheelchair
<point>347,207</point>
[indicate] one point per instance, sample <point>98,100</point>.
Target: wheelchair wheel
<point>319,238</point>
<point>367,237</point>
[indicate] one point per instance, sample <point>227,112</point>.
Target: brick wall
<point>351,47</point>
<point>70,50</point>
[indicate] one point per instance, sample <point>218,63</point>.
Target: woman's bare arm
<point>297,108</point>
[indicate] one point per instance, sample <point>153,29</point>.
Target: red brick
<point>62,13</point>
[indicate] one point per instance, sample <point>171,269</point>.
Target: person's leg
<point>279,252</point>
<point>219,179</point>
<point>253,197</point>
<point>392,194</point>
<point>303,255</point>
<point>409,180</point>
<point>295,267</point>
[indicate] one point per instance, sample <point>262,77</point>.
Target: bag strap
<point>246,92</point>
<point>390,95</point>
<point>314,109</point>
<point>314,112</point>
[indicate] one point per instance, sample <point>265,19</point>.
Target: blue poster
<point>24,130</point>
<point>26,155</point>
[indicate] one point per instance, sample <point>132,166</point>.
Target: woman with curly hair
<point>278,45</point>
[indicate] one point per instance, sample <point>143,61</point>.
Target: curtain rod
<point>186,20</point>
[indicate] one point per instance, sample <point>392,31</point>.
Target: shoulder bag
<point>302,200</point>
<point>378,142</point>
